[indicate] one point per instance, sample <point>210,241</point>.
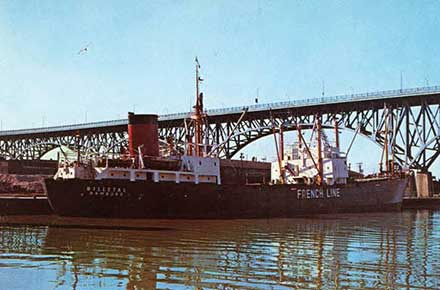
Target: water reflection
<point>369,251</point>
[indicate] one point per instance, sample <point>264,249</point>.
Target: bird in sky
<point>85,48</point>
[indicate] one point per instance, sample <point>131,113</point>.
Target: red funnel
<point>143,131</point>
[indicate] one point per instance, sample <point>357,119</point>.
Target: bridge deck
<point>324,101</point>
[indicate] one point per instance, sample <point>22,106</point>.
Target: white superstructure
<point>298,166</point>
<point>193,169</point>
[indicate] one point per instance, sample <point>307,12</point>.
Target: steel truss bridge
<point>412,118</point>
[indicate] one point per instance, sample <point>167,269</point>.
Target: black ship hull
<point>140,199</point>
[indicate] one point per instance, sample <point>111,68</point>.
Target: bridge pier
<point>424,185</point>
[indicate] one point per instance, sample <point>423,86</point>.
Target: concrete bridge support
<point>424,184</point>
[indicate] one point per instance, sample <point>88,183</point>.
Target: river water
<point>350,251</point>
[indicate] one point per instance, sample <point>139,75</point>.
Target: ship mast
<point>387,164</point>
<point>281,142</point>
<point>388,146</point>
<point>336,134</point>
<point>198,114</point>
<point>320,167</point>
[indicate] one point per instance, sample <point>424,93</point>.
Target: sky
<point>140,55</point>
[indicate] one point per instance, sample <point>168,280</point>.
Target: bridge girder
<point>414,130</point>
<point>26,147</point>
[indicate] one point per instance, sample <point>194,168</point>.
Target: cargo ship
<point>309,178</point>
